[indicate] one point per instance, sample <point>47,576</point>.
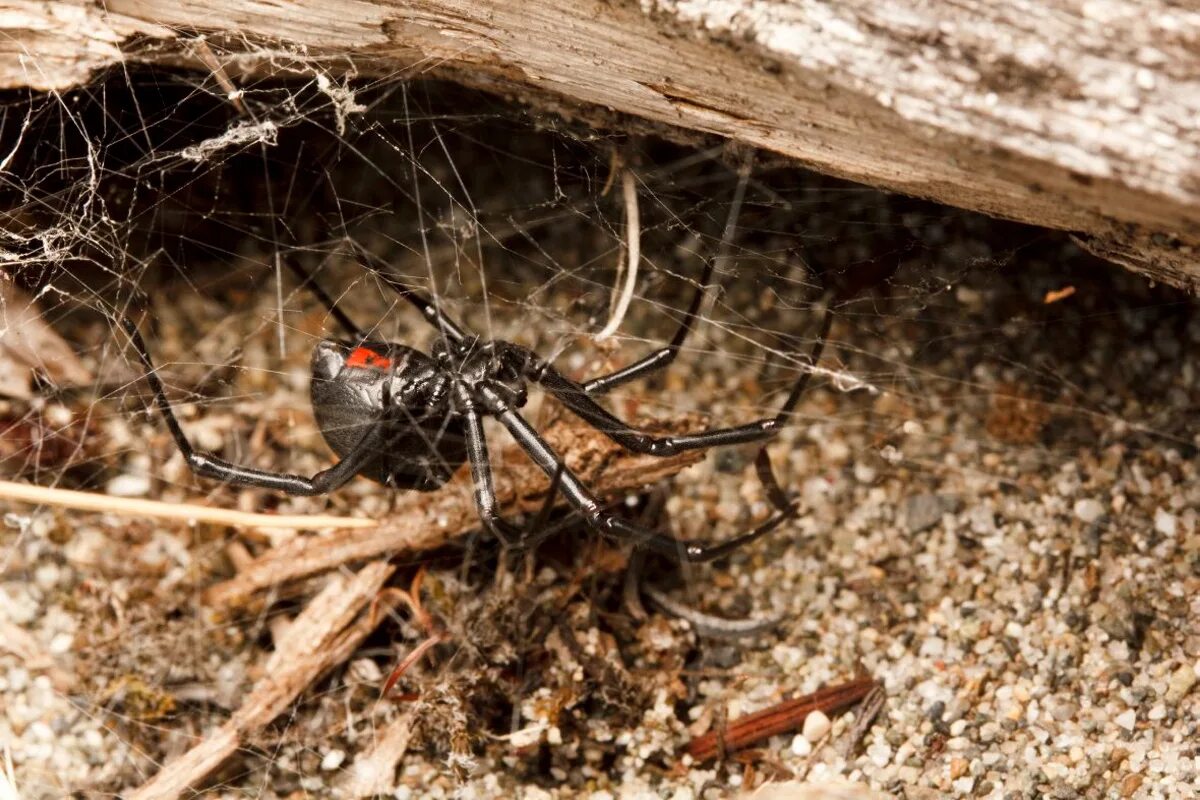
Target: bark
<point>1081,116</point>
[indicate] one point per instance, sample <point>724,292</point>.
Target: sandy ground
<point>1002,530</point>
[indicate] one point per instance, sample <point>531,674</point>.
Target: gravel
<point>1005,534</point>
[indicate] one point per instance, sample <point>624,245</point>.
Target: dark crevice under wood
<point>1079,117</point>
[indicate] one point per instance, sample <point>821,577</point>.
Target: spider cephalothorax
<point>409,420</point>
<point>416,399</point>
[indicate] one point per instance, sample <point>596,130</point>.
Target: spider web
<point>998,435</point>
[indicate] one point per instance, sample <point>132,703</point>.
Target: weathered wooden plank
<point>1082,115</point>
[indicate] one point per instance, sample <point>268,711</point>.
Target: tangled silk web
<point>973,366</point>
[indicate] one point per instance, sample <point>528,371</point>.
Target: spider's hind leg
<point>210,466</point>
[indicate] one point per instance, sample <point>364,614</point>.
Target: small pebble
<point>128,486</point>
<point>816,725</point>
<point>332,760</point>
<point>365,670</point>
<point>1088,510</point>
<point>801,747</point>
<point>1164,522</point>
<point>880,754</point>
<point>923,511</point>
<point>47,576</point>
<point>1181,682</point>
<point>1127,719</point>
<point>1130,784</point>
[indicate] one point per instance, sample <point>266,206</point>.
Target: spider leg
<point>308,281</point>
<point>481,474</point>
<point>209,466</point>
<point>582,500</point>
<point>430,311</point>
<point>575,397</point>
<point>661,358</point>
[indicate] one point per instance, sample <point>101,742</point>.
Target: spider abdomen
<point>357,387</point>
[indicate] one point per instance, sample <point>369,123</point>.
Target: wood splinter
<point>325,634</point>
<point>426,522</point>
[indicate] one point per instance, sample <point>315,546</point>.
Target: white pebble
<point>880,754</point>
<point>46,576</point>
<point>801,747</point>
<point>964,785</point>
<point>526,737</point>
<point>128,486</point>
<point>365,670</point>
<point>816,725</point>
<point>1164,522</point>
<point>932,647</point>
<point>39,732</point>
<point>18,679</point>
<point>1127,719</point>
<point>333,759</point>
<point>1088,510</point>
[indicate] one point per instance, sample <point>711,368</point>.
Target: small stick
<point>232,93</point>
<point>410,659</point>
<point>326,633</point>
<point>134,507</point>
<point>868,710</point>
<point>426,522</point>
<point>780,718</point>
<point>633,244</point>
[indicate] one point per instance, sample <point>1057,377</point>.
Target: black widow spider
<point>408,420</point>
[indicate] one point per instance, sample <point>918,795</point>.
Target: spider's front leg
<point>578,496</point>
<point>481,470</point>
<point>577,398</point>
<point>208,465</point>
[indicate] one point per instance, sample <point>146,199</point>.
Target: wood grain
<point>1082,116</point>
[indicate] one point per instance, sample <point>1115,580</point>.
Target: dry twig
<point>633,245</point>
<point>868,710</point>
<point>136,507</point>
<point>426,522</point>
<point>780,718</point>
<point>326,633</point>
